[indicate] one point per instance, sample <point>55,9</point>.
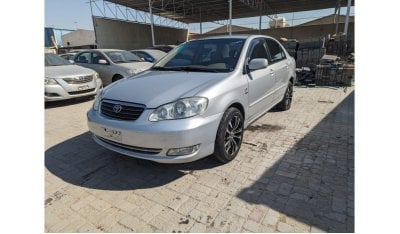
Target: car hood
<point>137,66</point>
<point>155,88</point>
<point>66,71</point>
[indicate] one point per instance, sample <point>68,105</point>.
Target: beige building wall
<point>79,37</point>
<point>117,34</point>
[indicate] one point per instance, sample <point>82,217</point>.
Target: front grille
<point>131,148</point>
<point>81,91</point>
<point>121,110</point>
<point>79,79</point>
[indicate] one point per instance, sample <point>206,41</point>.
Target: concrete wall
<point>300,33</point>
<point>124,35</point>
<point>79,37</point>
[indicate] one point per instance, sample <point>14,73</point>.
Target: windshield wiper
<point>167,68</point>
<point>185,68</point>
<point>198,69</point>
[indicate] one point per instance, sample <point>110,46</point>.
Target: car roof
<point>234,36</point>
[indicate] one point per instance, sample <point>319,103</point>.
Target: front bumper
<point>67,91</point>
<point>152,140</point>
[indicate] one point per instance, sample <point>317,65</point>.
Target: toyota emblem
<point>117,108</point>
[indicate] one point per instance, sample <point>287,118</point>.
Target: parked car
<point>112,65</point>
<point>164,48</point>
<point>64,80</point>
<point>149,55</point>
<point>196,101</point>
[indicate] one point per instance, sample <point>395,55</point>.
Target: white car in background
<point>111,64</point>
<point>64,80</point>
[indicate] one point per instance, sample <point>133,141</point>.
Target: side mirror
<point>103,61</point>
<point>71,61</point>
<point>258,63</point>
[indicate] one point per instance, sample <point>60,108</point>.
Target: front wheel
<point>286,103</point>
<point>229,135</point>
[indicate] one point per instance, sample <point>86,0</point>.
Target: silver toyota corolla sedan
<point>196,101</point>
<point>64,80</point>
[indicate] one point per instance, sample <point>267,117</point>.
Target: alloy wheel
<point>233,135</point>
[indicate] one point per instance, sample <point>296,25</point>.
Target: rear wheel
<point>229,135</point>
<point>286,103</point>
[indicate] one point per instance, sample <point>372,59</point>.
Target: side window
<point>144,56</point>
<point>84,57</point>
<point>275,51</point>
<point>258,50</point>
<point>96,57</point>
<point>140,54</point>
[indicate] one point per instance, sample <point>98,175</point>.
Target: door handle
<point>271,72</point>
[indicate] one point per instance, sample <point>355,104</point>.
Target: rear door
<point>279,67</point>
<point>261,82</point>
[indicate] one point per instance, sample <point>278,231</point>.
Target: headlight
<point>49,81</point>
<point>97,79</point>
<point>97,100</point>
<point>183,108</point>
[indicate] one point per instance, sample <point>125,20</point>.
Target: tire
<point>117,77</point>
<point>286,102</point>
<point>229,135</point>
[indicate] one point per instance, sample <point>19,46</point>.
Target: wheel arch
<point>239,106</point>
<point>115,76</point>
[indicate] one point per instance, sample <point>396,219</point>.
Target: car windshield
<point>54,60</point>
<point>122,56</point>
<point>212,55</point>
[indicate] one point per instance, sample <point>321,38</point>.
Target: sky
<point>73,14</point>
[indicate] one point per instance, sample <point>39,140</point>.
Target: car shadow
<point>80,161</point>
<point>61,103</point>
<point>313,182</point>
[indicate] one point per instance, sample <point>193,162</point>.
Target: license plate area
<point>112,134</point>
<point>83,87</point>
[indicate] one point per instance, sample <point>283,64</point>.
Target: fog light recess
<point>183,151</point>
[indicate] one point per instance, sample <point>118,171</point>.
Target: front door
<point>261,82</point>
<point>104,70</point>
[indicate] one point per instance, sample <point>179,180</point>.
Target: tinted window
<point>258,50</point>
<point>85,57</point>
<point>216,54</point>
<point>275,51</point>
